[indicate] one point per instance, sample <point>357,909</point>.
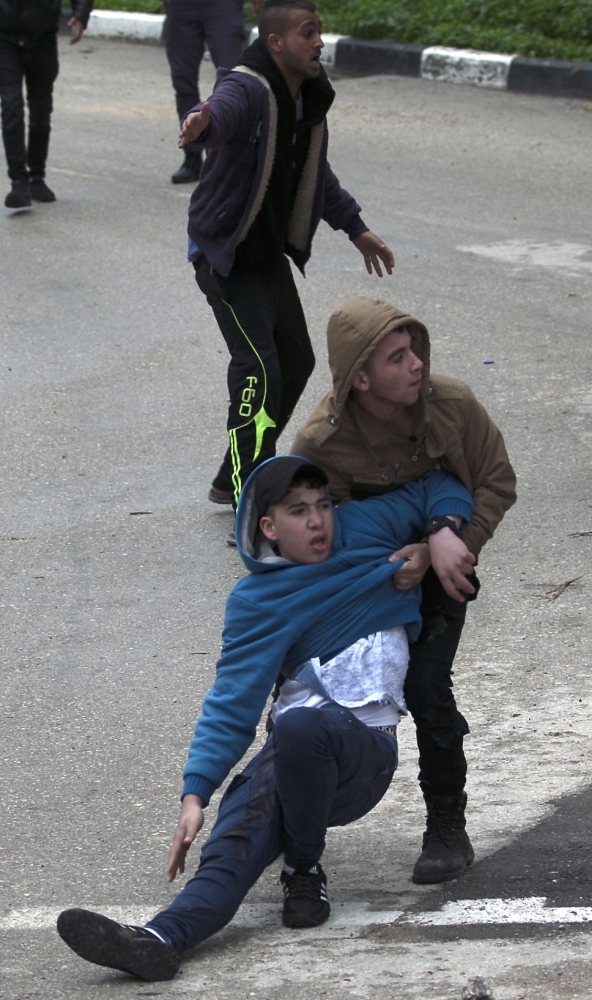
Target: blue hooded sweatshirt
<point>282,614</point>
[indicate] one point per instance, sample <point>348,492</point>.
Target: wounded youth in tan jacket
<point>364,456</point>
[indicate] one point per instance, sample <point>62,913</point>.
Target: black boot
<point>446,851</point>
<point>190,169</point>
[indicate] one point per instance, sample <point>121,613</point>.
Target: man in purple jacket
<point>265,185</point>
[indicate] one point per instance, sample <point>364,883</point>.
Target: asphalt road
<point>115,570</point>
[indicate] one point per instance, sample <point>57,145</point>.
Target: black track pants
<point>261,319</point>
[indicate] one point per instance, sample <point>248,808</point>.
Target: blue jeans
<point>319,768</point>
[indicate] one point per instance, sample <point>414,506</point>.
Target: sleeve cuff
<point>194,784</point>
<point>459,508</point>
<point>356,228</point>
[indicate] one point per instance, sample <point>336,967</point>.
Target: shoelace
<point>305,885</point>
<point>442,828</point>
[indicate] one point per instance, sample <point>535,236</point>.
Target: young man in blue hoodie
<point>319,609</point>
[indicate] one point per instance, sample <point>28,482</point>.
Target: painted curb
<point>125,24</point>
<point>483,69</point>
<point>357,56</point>
<point>538,76</point>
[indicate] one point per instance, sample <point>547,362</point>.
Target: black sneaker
<point>40,191</point>
<point>118,946</point>
<point>305,897</point>
<point>20,196</point>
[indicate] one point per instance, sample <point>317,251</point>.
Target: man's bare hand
<point>374,250</point>
<point>189,824</point>
<point>194,125</point>
<point>77,29</point>
<point>452,562</point>
<point>417,561</point>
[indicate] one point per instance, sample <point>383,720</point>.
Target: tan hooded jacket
<point>364,456</point>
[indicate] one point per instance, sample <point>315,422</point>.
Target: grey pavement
<point>115,569</point>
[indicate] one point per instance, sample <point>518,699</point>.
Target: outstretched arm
<point>194,125</point>
<point>188,826</point>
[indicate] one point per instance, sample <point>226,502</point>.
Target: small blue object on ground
<point>489,362</point>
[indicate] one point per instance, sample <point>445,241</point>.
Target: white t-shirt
<point>367,678</point>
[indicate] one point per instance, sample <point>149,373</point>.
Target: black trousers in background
<point>189,25</point>
<point>440,727</point>
<point>36,65</point>
<point>271,359</point>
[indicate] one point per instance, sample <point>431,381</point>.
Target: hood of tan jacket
<point>355,331</point>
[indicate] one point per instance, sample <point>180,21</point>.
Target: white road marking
<point>568,256</point>
<point>530,910</point>
<point>345,917</point>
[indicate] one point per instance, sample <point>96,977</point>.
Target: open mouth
<point>319,543</point>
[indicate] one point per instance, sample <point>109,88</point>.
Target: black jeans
<point>271,359</point>
<point>319,768</point>
<point>440,727</point>
<point>36,64</point>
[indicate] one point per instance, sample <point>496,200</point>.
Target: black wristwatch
<point>437,523</point>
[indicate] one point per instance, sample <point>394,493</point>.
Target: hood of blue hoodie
<point>256,551</point>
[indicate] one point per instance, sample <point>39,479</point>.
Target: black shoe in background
<point>40,191</point>
<point>19,196</point>
<point>305,897</point>
<point>220,496</point>
<point>118,946</point>
<point>231,537</point>
<point>446,850</point>
<point>190,169</point>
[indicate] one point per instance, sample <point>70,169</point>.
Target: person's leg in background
<point>225,30</point>
<point>294,349</point>
<point>12,75</point>
<point>261,319</point>
<point>41,74</point>
<point>184,38</point>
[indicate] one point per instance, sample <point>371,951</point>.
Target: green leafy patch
<point>548,29</point>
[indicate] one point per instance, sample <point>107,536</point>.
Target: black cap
<point>273,479</point>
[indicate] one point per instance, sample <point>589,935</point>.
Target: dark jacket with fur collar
<point>241,141</point>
